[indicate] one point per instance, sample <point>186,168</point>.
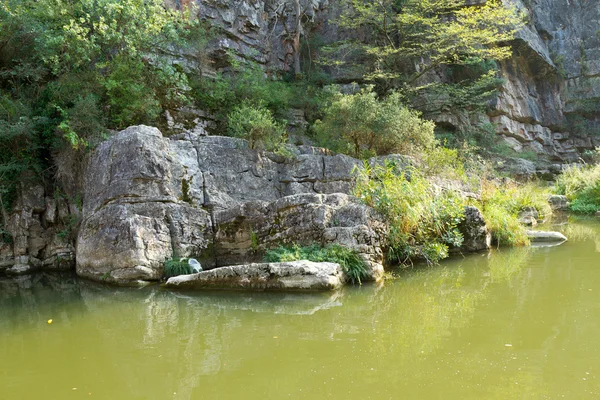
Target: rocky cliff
<point>148,198</point>
<point>550,102</point>
<point>548,105</point>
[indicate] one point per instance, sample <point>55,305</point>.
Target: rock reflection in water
<point>476,324</point>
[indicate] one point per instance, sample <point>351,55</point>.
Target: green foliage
<point>257,125</point>
<point>362,124</point>
<point>354,266</point>
<point>430,33</point>
<point>423,219</point>
<point>442,161</point>
<point>581,185</point>
<point>175,267</point>
<point>248,83</point>
<point>501,203</point>
<point>72,69</point>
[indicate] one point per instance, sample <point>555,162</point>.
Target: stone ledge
<point>284,276</point>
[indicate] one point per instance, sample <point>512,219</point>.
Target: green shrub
<point>247,83</point>
<point>257,125</point>
<point>581,185</point>
<point>361,124</point>
<point>176,267</point>
<point>501,203</point>
<point>423,220</point>
<point>354,266</point>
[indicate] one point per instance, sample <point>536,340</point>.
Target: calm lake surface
<point>511,324</point>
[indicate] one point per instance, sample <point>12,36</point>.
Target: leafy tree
<point>70,69</point>
<point>404,40</point>
<point>360,122</point>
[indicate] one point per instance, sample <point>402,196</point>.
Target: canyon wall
<point>549,104</point>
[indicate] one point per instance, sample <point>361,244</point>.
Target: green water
<point>512,324</point>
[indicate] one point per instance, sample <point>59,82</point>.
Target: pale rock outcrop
<point>39,231</point>
<point>546,236</point>
<point>138,211</point>
<point>148,198</point>
<point>246,231</point>
<point>289,276</point>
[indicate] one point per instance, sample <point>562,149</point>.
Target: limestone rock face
<point>552,80</point>
<point>248,230</point>
<point>148,198</point>
<point>289,276</point>
<point>39,233</point>
<point>138,211</point>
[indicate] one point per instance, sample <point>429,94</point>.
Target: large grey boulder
<point>141,196</point>
<point>148,198</point>
<point>529,216</point>
<point>558,202</point>
<point>247,231</point>
<point>286,276</point>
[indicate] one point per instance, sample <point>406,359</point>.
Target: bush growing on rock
<point>257,125</point>
<point>362,124</point>
<point>176,267</point>
<point>423,219</point>
<point>501,203</point>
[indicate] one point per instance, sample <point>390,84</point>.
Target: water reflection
<point>512,323</point>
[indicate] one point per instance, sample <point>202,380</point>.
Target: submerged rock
<point>546,236</point>
<point>286,276</point>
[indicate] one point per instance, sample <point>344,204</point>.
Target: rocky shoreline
<point>149,198</point>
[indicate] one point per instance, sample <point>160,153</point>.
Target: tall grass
<point>501,203</point>
<point>176,267</point>
<point>581,185</point>
<point>423,219</point>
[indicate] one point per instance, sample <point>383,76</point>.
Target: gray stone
<point>529,216</point>
<point>474,230</point>
<point>545,236</point>
<point>247,231</point>
<point>558,202</point>
<point>286,276</point>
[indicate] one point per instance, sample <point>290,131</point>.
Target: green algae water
<point>509,324</point>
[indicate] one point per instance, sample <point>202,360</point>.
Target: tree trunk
<point>296,38</point>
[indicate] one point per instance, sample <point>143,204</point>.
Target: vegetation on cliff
<point>73,69</point>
